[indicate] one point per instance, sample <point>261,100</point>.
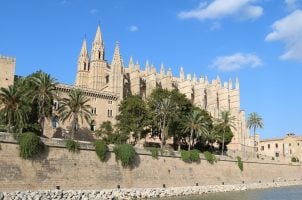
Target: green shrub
<point>185,156</point>
<point>154,152</point>
<point>194,155</point>
<point>211,158</point>
<point>29,145</point>
<point>190,156</point>
<point>239,163</point>
<point>101,149</point>
<point>125,153</point>
<point>72,146</point>
<point>295,159</point>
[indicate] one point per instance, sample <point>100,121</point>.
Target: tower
<point>7,68</point>
<point>83,66</point>
<point>99,74</point>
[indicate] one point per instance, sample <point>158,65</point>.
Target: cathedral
<point>116,79</point>
<point>107,83</point>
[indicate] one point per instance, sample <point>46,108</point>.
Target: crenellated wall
<point>58,167</point>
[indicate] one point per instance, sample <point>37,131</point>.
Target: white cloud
<point>236,61</point>
<point>217,9</point>
<point>291,4</point>
<point>133,28</point>
<point>93,11</point>
<point>289,31</point>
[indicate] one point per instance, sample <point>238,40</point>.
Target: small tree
<point>101,149</point>
<point>254,121</point>
<point>226,121</point>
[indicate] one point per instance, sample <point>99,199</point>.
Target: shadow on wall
<point>82,134</point>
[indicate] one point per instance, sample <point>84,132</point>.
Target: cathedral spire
<point>98,46</point>
<point>117,60</point>
<point>181,74</point>
<point>237,83</point>
<point>84,51</point>
<point>162,69</point>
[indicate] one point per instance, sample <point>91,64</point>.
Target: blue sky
<point>260,41</point>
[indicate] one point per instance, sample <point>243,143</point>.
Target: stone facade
<point>282,148</point>
<point>94,72</point>
<point>7,68</point>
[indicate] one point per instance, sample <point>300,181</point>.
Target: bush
<point>194,155</point>
<point>190,156</point>
<point>101,149</point>
<point>125,153</point>
<point>154,152</point>
<point>295,159</point>
<point>239,163</point>
<point>72,146</point>
<point>211,158</point>
<point>29,145</point>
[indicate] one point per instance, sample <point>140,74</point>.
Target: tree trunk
<point>8,124</point>
<point>254,140</point>
<point>190,139</point>
<point>222,148</point>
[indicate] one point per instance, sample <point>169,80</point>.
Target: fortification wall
<point>58,167</point>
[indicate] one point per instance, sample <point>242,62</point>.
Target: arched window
<point>84,65</point>
<point>99,55</point>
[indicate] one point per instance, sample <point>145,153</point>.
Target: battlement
<point>7,58</point>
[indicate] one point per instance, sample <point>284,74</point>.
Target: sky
<point>258,41</point>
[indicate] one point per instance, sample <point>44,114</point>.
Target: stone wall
<point>58,167</point>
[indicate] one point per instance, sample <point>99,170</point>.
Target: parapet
<point>7,58</point>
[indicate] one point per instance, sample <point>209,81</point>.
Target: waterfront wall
<point>83,170</point>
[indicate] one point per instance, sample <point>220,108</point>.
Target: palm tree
<point>43,91</point>
<point>163,111</point>
<point>73,108</point>
<point>13,107</point>
<point>195,123</point>
<point>254,121</point>
<point>226,121</point>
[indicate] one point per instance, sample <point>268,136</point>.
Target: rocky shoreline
<point>138,193</point>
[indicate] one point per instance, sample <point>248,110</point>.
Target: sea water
<point>284,193</point>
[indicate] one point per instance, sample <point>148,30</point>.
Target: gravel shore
<point>138,193</point>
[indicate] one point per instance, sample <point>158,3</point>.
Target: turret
<point>83,66</point>
<point>116,80</point>
<point>97,52</point>
<point>83,60</point>
<point>162,70</point>
<point>181,74</point>
<point>237,83</point>
<point>131,64</point>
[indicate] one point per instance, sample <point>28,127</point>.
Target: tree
<point>13,107</point>
<point>42,91</point>
<point>254,121</point>
<point>225,122</point>
<point>163,111</point>
<point>132,116</point>
<point>73,108</point>
<point>105,129</point>
<point>195,123</point>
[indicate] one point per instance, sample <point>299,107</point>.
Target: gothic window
<point>88,66</point>
<point>268,146</point>
<point>277,154</point>
<point>99,55</point>
<point>109,113</point>
<point>262,148</point>
<point>107,79</point>
<point>84,65</point>
<point>276,145</point>
<point>205,99</point>
<point>93,111</point>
